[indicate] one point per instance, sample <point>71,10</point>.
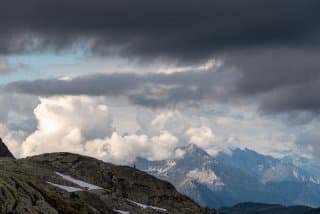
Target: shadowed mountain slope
<point>4,151</point>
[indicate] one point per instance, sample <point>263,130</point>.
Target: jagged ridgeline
<point>70,183</point>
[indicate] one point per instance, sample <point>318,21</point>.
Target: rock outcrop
<point>70,183</point>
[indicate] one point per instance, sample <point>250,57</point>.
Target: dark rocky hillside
<point>70,183</point>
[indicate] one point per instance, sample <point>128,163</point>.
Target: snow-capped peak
<point>162,170</point>
<point>205,176</point>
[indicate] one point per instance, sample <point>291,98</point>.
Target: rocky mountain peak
<point>192,150</point>
<point>4,151</point>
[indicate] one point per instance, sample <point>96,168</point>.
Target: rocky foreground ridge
<point>70,183</point>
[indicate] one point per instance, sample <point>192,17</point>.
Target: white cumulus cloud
<point>84,125</point>
<point>65,123</point>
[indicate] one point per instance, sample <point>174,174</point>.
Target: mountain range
<point>71,183</point>
<point>240,176</point>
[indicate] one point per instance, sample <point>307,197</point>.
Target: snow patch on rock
<point>121,211</point>
<point>163,170</point>
<point>65,188</point>
<point>144,206</point>
<point>80,183</point>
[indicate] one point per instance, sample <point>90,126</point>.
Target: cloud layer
<point>276,80</point>
<point>166,29</point>
<point>266,55</point>
<point>85,125</point>
<point>144,89</point>
<point>271,59</point>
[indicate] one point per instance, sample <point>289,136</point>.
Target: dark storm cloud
<point>171,29</point>
<point>297,118</point>
<point>272,45</point>
<point>272,68</point>
<point>155,90</point>
<point>279,79</point>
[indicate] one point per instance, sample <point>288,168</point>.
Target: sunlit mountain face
<point>121,81</point>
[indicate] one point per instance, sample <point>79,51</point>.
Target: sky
<point>121,79</point>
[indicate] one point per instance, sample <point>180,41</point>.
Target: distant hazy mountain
<point>266,168</point>
<point>310,165</point>
<point>242,176</point>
